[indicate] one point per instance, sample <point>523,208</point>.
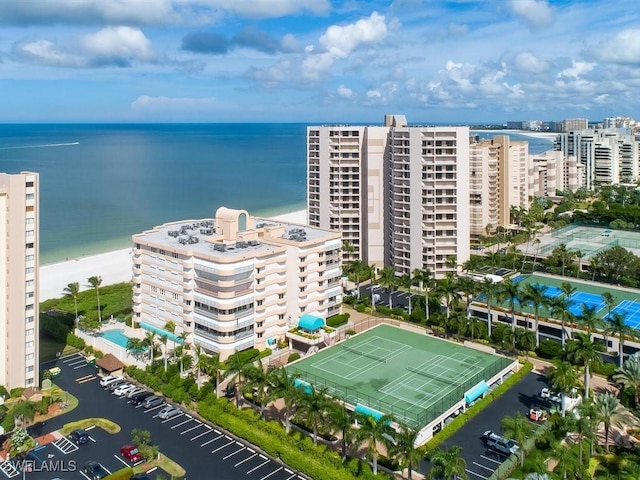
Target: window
<point>29,331</point>
<point>29,184</point>
<point>29,307</point>
<point>29,344</point>
<point>29,283</point>
<point>30,233</point>
<point>260,334</point>
<point>259,324</point>
<point>175,296</point>
<point>29,381</point>
<point>281,296</point>
<point>30,196</point>
<point>189,302</point>
<point>259,302</point>
<point>281,316</point>
<point>29,356</point>
<point>30,258</point>
<point>29,319</point>
<point>29,245</point>
<point>30,294</point>
<point>29,208</point>
<point>30,220</point>
<point>29,369</point>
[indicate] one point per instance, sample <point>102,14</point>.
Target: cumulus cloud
<point>147,103</point>
<point>576,70</point>
<point>339,41</point>
<point>529,63</point>
<point>537,14</point>
<point>249,37</point>
<point>267,8</point>
<point>345,92</point>
<point>623,49</point>
<point>111,46</point>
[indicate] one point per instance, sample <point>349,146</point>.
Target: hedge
<point>293,357</point>
<point>123,474</point>
<point>75,341</point>
<point>477,407</point>
<point>338,320</point>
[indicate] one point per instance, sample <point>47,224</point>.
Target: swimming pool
<point>116,336</point>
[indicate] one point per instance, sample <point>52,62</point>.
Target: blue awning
<point>161,332</point>
<point>304,386</point>
<point>311,323</point>
<point>368,411</point>
<point>476,392</point>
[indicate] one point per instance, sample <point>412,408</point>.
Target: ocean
<point>100,184</point>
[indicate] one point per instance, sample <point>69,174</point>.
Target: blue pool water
<point>116,336</point>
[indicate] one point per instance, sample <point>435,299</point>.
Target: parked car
<point>135,391</point>
<point>153,401</point>
<point>550,395</point>
<point>131,453</point>
<point>95,471</point>
<point>113,385</point>
<point>104,381</point>
<point>122,389</point>
<point>79,437</point>
<point>169,411</point>
<point>500,443</point>
<point>140,398</point>
<point>230,391</point>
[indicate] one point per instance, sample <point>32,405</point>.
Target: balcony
<point>319,337</point>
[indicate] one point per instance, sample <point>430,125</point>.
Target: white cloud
<point>47,53</point>
<point>146,103</point>
<point>119,44</point>
<point>537,14</point>
<point>576,70</point>
<point>266,8</point>
<point>623,49</point>
<point>374,94</point>
<point>457,30</point>
<point>528,62</point>
<point>345,92</point>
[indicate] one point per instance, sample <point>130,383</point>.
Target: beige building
<point>234,281</point>
<point>19,233</point>
<point>551,171</point>
<point>575,124</point>
<point>399,194</point>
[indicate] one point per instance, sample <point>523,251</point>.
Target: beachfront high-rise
<point>19,220</point>
<point>399,194</point>
<point>234,281</point>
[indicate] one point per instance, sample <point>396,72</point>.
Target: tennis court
<point>631,311</point>
<point>589,240</point>
<point>412,376</point>
<point>578,299</point>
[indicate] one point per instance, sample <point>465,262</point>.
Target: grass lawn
<point>49,348</point>
<point>107,425</point>
<point>166,464</point>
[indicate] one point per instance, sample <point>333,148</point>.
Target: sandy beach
<point>113,267</point>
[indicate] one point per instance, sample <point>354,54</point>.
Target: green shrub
<point>16,392</point>
<point>42,406</point>
<point>337,320</point>
<point>293,357</point>
<point>360,308</point>
<point>89,349</point>
<point>123,474</point>
<point>54,327</point>
<point>549,349</point>
<point>75,341</point>
<point>4,392</point>
<point>605,369</point>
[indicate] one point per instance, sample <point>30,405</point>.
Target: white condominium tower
<point>19,222</point>
<point>399,194</point>
<point>234,281</point>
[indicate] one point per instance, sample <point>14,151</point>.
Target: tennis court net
<point>364,354</point>
<point>439,378</point>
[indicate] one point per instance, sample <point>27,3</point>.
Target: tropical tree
<point>72,290</point>
<point>210,366</point>
<point>283,385</point>
<point>23,413</point>
<point>150,341</point>
<point>372,271</point>
<point>565,460</point>
<point>313,409</point>
<point>448,464</point>
<point>610,413</point>
<point>588,318</point>
<point>170,326</point>
<point>629,376</point>
<point>95,282</point>
<point>165,353</point>
<point>236,367</point>
<point>535,295</point>
<point>448,289</point>
<point>537,243</point>
<point>510,291</point>
<point>618,326</point>
<point>563,378</point>
<point>340,419</point>
<point>356,269</point>
<point>388,279</point>
<point>517,428</point>
<point>372,431</point>
<point>404,449</point>
<point>474,328</point>
<point>584,351</point>
<point>257,383</point>
<point>490,290</point>
<point>135,346</point>
<point>424,279</point>
<point>406,281</point>
<point>560,309</point>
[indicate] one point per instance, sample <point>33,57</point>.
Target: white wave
<point>41,146</point>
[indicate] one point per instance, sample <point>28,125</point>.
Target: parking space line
<point>172,418</point>
<point>152,409</point>
<point>65,445</point>
<point>289,478</point>
<point>70,358</point>
<point>234,453</point>
<point>192,428</point>
<point>80,366</point>
<point>246,459</point>
<point>202,434</point>
<point>212,440</point>
<point>121,460</point>
<point>267,476</point>
<point>484,466</point>
<point>491,459</point>
<point>9,470</point>
<point>259,466</point>
<point>178,424</point>
<point>84,475</point>
<point>476,474</point>
<point>223,446</point>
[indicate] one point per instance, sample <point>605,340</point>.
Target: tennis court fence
<point>414,416</point>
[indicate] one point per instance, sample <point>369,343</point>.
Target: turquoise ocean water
<point>100,184</point>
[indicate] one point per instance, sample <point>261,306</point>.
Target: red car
<point>130,452</point>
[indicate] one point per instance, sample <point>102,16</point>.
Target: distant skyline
<point>457,61</point>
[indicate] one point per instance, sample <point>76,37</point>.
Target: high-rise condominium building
<point>551,171</point>
<point>234,281</point>
<point>498,181</point>
<point>19,221</point>
<point>399,194</point>
<point>575,124</point>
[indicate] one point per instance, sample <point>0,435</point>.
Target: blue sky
<point>461,61</point>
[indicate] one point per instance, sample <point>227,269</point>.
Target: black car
<point>140,398</point>
<point>230,391</point>
<point>95,471</point>
<point>79,437</point>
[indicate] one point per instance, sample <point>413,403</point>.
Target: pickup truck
<point>499,443</point>
<point>548,394</point>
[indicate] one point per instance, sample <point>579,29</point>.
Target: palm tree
<point>237,366</point>
<point>23,413</point>
<point>563,378</point>
<point>71,290</point>
<point>197,362</point>
<point>210,366</point>
<point>560,309</point>
<point>424,280</point>
<point>510,291</point>
<point>340,419</point>
<point>404,450</point>
<point>583,350</point>
<point>568,290</point>
<point>609,413</point>
<point>448,464</point>
<point>448,289</point>
<point>283,385</point>
<point>313,409</point>
<point>617,326</point>
<point>95,282</point>
<point>135,346</point>
<point>406,281</point>
<point>170,327</point>
<point>388,279</point>
<point>589,318</point>
<point>629,376</point>
<point>372,271</point>
<point>535,295</point>
<point>519,429</point>
<point>474,328</point>
<point>537,243</point>
<point>356,268</point>
<point>490,290</point>
<point>565,460</point>
<point>258,382</point>
<point>163,341</point>
<point>372,431</point>
<point>150,341</point>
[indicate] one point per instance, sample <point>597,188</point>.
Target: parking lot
<point>398,298</point>
<point>200,448</point>
<point>481,461</point>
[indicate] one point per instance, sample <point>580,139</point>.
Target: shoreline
<point>114,266</point>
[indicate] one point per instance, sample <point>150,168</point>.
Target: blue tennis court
<point>631,311</point>
<point>578,299</point>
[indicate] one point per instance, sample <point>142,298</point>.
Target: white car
<point>104,381</point>
<point>135,391</point>
<point>169,411</point>
<point>123,389</point>
<point>548,394</point>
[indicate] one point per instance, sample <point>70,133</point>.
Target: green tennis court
<point>415,377</point>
